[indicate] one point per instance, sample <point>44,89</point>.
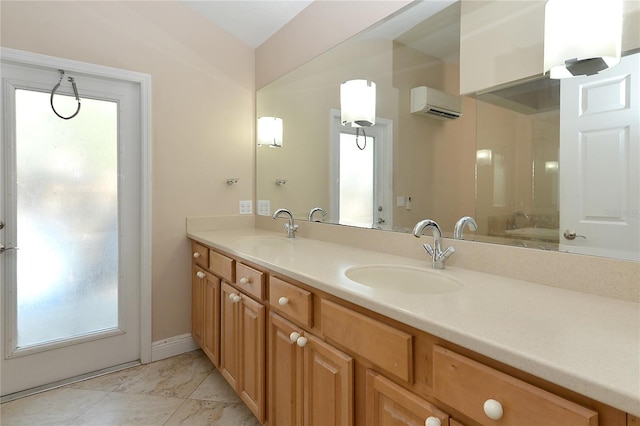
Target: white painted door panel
<point>599,162</point>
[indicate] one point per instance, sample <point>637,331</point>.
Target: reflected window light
<point>484,157</point>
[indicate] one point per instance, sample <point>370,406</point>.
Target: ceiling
<point>252,21</point>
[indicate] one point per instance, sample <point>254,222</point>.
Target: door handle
<point>3,248</point>
<point>572,235</point>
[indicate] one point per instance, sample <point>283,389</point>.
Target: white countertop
<point>586,343</point>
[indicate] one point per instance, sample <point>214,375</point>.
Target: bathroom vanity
<point>302,343</point>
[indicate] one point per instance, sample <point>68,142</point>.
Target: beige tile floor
<point>183,390</point>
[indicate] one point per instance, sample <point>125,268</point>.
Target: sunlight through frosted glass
<point>356,181</point>
<point>67,196</point>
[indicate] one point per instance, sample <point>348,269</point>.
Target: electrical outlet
<point>400,202</point>
<point>264,208</point>
<point>246,207</point>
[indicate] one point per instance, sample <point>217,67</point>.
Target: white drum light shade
<point>581,37</point>
<point>270,131</point>
<point>358,103</point>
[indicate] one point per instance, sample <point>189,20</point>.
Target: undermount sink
<point>404,279</point>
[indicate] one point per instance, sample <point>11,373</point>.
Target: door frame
<point>383,181</point>
<point>23,58</point>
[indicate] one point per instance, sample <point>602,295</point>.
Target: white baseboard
<point>172,346</point>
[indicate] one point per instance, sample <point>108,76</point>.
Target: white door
<point>599,162</point>
<point>361,174</point>
<point>70,208</point>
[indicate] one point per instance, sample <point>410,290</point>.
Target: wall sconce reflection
<point>358,103</point>
<point>550,167</point>
<point>270,131</point>
<point>581,38</point>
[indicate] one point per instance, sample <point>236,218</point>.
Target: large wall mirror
<point>538,162</point>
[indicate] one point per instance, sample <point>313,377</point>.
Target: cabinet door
<point>285,374</point>
<point>211,336</point>
<point>389,404</point>
<point>197,304</point>
<point>229,363</point>
<point>251,340</point>
<point>328,385</point>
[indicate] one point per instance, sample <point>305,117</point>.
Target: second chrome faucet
<point>437,255</point>
<point>290,227</point>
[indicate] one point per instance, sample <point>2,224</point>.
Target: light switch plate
<point>246,207</point>
<point>264,208</point>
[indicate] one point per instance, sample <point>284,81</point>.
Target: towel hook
<point>75,91</point>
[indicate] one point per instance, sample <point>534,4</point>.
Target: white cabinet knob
<point>283,301</point>
<point>493,409</point>
<point>244,280</point>
<point>432,421</point>
<point>200,274</point>
<point>236,298</point>
<point>294,336</point>
<point>196,255</point>
<point>302,341</point>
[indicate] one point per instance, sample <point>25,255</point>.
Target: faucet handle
<point>445,254</point>
<point>428,248</point>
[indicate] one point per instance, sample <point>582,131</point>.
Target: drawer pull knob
<point>432,421</point>
<point>302,341</point>
<point>196,255</point>
<point>200,274</point>
<point>244,280</point>
<point>236,298</point>
<point>493,409</point>
<point>283,301</point>
<point>294,337</point>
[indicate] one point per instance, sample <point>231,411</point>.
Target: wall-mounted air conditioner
<point>435,104</point>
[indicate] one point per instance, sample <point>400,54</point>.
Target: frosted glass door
<point>67,218</point>
<point>70,194</point>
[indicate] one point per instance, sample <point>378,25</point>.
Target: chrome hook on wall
<point>75,91</point>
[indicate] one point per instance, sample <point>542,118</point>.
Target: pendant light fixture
<point>270,132</point>
<point>581,37</point>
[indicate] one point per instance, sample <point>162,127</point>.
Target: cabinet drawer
<point>385,346</point>
<point>389,404</point>
<point>221,265</point>
<point>250,280</point>
<point>291,300</point>
<point>200,254</point>
<point>466,384</point>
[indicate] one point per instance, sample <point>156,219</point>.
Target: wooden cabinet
<point>334,363</point>
<point>387,347</point>
<point>487,395</point>
<point>205,304</point>
<point>197,304</point>
<point>211,316</point>
<point>205,312</point>
<point>311,382</point>
<point>389,404</point>
<point>242,360</point>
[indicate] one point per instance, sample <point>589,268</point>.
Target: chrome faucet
<point>314,210</point>
<point>290,227</point>
<point>437,255</point>
<point>460,224</point>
